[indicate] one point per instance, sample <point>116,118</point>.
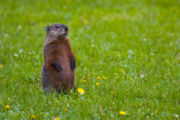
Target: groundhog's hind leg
<point>46,82</point>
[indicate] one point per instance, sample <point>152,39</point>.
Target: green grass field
<point>127,53</point>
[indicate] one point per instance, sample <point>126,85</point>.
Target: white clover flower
<point>6,35</point>
<point>142,76</point>
<point>19,27</point>
<point>20,51</point>
<point>15,54</point>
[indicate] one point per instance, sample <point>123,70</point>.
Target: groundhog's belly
<point>65,77</point>
<point>66,74</point>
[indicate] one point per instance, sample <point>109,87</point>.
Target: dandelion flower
<point>165,77</point>
<point>68,1</point>
<point>97,83</point>
<point>33,116</point>
<point>105,78</point>
<point>83,77</point>
<point>140,105</point>
<point>113,92</point>
<point>122,113</point>
<point>65,109</point>
<point>7,107</point>
<point>84,81</point>
<point>81,91</point>
<point>85,21</point>
<point>157,84</point>
<point>122,70</point>
<point>56,118</point>
<point>98,77</point>
<point>0,66</point>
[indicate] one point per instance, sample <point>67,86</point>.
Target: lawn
<point>127,57</point>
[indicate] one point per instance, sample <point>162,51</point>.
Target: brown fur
<point>57,50</point>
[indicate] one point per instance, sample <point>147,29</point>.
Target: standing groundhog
<point>59,61</point>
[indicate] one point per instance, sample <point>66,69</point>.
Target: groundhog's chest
<point>58,54</point>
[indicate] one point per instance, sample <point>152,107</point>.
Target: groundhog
<point>58,71</point>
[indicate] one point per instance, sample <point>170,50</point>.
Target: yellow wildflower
<point>56,118</point>
<point>122,113</point>
<point>65,109</point>
<point>83,77</point>
<point>165,77</point>
<point>68,1</point>
<point>157,84</point>
<point>7,107</point>
<point>105,78</point>
<point>98,77</point>
<point>0,66</point>
<point>84,20</point>
<point>97,83</point>
<point>81,91</point>
<point>33,116</point>
<point>112,92</point>
<point>84,81</point>
<point>122,70</point>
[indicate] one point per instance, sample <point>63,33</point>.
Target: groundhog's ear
<point>48,28</point>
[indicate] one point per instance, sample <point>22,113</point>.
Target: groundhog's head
<point>57,30</point>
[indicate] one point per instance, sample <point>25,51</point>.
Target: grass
<point>135,44</point>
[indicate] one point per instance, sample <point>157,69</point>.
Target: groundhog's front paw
<point>73,64</point>
<point>57,66</point>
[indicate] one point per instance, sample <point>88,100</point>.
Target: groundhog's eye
<point>57,27</point>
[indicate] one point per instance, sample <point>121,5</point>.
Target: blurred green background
<point>130,47</point>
